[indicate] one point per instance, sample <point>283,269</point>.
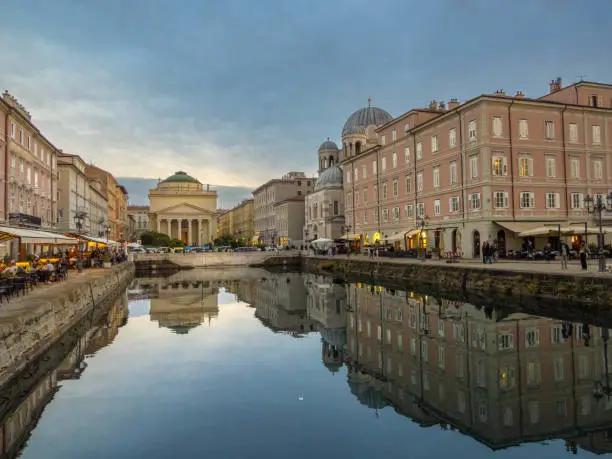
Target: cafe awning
<point>94,239</point>
<point>412,233</point>
<point>31,236</point>
<point>520,227</point>
<point>349,237</point>
<point>395,237</point>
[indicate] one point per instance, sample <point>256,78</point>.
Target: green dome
<point>181,176</point>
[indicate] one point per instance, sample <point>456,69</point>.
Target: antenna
<point>580,77</point>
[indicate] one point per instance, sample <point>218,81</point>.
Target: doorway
<point>476,243</point>
<point>501,243</point>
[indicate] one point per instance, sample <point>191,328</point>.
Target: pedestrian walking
<point>548,253</point>
<point>564,256</point>
<point>583,256</point>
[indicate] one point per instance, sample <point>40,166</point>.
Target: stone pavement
<point>553,267</point>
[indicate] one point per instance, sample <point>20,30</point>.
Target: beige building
<point>290,221</point>
<point>243,221</point>
<point>226,223</point>
<point>80,199</point>
<point>141,219</point>
<point>274,191</point>
<point>183,209</point>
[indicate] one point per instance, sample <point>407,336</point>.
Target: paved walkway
<point>553,267</point>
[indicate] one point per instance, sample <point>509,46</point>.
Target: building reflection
<point>182,306</point>
<point>22,404</point>
<point>502,380</point>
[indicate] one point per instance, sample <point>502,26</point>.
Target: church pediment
<point>185,209</point>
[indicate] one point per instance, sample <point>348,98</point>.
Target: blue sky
<point>237,92</point>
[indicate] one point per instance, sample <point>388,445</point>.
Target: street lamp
<point>596,205</point>
<point>79,218</point>
<point>107,230</point>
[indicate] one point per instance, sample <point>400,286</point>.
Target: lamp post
<point>79,218</point>
<point>596,205</point>
<point>348,241</point>
<point>107,230</point>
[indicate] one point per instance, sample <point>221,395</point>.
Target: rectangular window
<point>419,182</point>
<point>365,217</point>
<point>575,168</point>
<point>364,172</point>
<point>523,129</point>
<point>437,207</point>
<point>356,199</point>
<point>408,184</point>
<point>498,165</point>
<point>577,200</point>
<point>526,200</point>
<point>407,155</point>
<point>383,140</point>
<point>393,135</point>
<point>394,160</point>
<point>384,191</point>
<point>549,129</point>
<point>21,136</point>
<point>497,126</point>
<point>434,143</point>
<point>336,210</point>
<point>597,169</point>
<point>474,167</point>
<point>532,338</point>
<point>13,161</point>
<point>573,132</point>
<point>383,164</point>
<point>419,151</point>
<point>533,374</point>
<point>472,130</point>
<point>552,200</point>
<point>395,188</point>
<point>29,142</point>
<point>408,210</point>
<point>436,177</point>
<point>475,201</point>
<point>453,204</point>
<point>348,177</point>
<point>506,341</point>
<point>500,199</point>
<point>12,129</point>
<point>452,138</point>
<point>453,173</point>
<point>396,213</point>
<point>374,169</point>
<point>596,135</point>
<point>441,356</point>
<point>556,334</point>
<point>420,210</point>
<point>365,194</point>
<point>385,215</point>
<point>551,167</point>
<point>525,166</point>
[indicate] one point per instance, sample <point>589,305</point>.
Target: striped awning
<point>85,237</point>
<point>31,236</point>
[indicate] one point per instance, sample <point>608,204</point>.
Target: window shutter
<point>531,200</point>
<point>530,165</point>
<point>557,201</point>
<point>581,201</point>
<point>505,199</point>
<point>450,204</point>
<point>504,166</point>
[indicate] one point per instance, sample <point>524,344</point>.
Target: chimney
<point>433,105</point>
<point>442,107</point>
<point>520,95</point>
<point>499,92</point>
<point>453,103</point>
<point>555,85</point>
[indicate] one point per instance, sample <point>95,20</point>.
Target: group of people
<point>489,252</point>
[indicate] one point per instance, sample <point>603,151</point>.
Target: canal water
<point>249,364</point>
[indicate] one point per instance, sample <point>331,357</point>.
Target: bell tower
<point>328,155</point>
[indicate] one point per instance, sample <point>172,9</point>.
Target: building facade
<point>183,209</point>
<point>324,208</point>
<point>290,221</point>
<point>226,223</point>
<point>274,191</point>
<point>29,194</point>
<point>243,221</point>
<point>116,225</point>
<point>486,169</point>
<point>80,199</point>
<point>141,219</point>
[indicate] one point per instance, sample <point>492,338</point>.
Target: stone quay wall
<point>496,286</point>
<point>159,261</point>
<point>30,325</point>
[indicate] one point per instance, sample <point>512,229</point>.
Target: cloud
<point>83,106</point>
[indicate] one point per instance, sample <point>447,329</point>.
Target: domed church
<point>184,209</point>
<point>325,207</point>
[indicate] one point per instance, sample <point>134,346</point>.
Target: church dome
<point>181,177</point>
<point>328,145</point>
<point>364,117</point>
<point>332,176</point>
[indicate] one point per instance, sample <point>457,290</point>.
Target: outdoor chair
<point>31,280</point>
<point>6,289</point>
<point>19,285</point>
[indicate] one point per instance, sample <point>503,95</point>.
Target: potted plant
<point>107,260</point>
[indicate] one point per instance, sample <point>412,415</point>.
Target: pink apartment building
<point>486,169</point>
<point>28,194</point>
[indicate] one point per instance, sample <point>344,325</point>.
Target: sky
<point>237,92</point>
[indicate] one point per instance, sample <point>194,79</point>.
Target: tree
<point>155,239</point>
<point>174,243</point>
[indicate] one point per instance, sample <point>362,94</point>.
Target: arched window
<point>331,161</point>
<point>357,148</point>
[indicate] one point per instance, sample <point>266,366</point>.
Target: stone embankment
<point>29,325</point>
<point>494,285</point>
<point>154,262</point>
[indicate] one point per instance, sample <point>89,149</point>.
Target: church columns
<point>199,232</point>
<point>158,225</point>
<point>189,232</point>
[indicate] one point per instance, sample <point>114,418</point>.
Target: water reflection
<point>24,400</point>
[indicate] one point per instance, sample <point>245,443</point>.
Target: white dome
<point>330,177</point>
